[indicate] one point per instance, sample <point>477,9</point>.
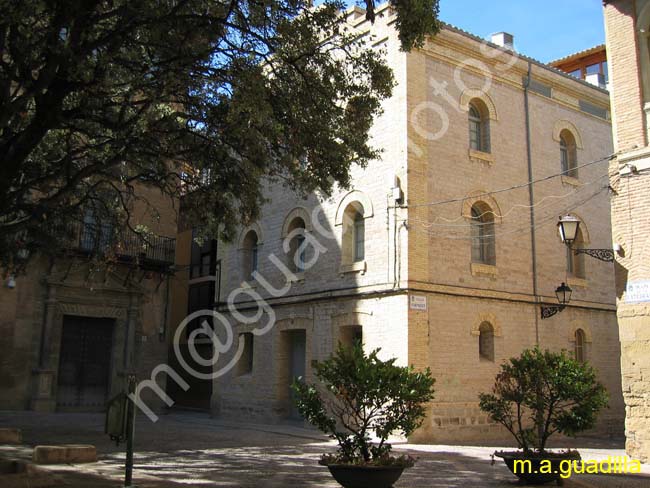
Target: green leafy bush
<point>540,393</point>
<point>364,395</point>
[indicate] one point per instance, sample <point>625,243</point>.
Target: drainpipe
<point>531,199</point>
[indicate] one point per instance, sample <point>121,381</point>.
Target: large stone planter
<point>65,454</point>
<point>352,476</point>
<point>528,467</point>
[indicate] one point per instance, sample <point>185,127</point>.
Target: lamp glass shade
<point>568,227</point>
<point>563,293</point>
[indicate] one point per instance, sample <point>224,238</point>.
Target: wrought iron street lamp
<point>563,294</point>
<point>568,226</point>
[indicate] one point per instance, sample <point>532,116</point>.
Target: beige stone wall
<point>462,294</point>
<point>630,202</point>
<point>448,338</point>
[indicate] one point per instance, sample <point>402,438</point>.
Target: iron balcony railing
<point>146,250</point>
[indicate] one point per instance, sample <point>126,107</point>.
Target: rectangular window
<point>488,243</point>
<point>253,260</point>
<point>95,236</point>
<point>564,158</point>
<point>203,257</point>
<point>593,69</point>
<point>300,258</point>
<point>359,238</point>
<point>485,133</point>
<point>577,73</point>
<point>475,135</point>
<point>477,248</point>
<point>483,242</point>
<point>206,264</point>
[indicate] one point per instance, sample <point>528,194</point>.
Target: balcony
<point>147,251</point>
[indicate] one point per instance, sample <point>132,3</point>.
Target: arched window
<point>579,351</point>
<point>575,263</point>
<point>486,341</point>
<point>354,233</point>
<point>296,248</point>
<point>483,234</point>
<point>250,254</point>
<point>568,154</point>
<point>479,126</point>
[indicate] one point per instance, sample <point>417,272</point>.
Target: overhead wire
<point>510,188</point>
<point>450,222</point>
<point>541,223</point>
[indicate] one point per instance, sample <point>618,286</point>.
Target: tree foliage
<point>364,395</point>
<point>215,97</point>
<point>540,393</point>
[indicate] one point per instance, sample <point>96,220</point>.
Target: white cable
<point>515,187</point>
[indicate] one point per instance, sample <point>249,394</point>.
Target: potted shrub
<point>536,395</point>
<point>362,396</point>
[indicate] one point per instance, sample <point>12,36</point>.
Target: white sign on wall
<point>418,302</point>
<point>637,291</point>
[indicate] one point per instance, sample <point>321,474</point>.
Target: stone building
<point>441,253</point>
<point>627,24</point>
<point>70,330</point>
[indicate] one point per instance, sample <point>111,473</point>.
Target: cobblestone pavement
<point>193,450</point>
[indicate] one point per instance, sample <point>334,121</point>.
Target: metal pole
<point>130,427</point>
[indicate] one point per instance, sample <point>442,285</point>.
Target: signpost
<point>417,302</point>
<point>120,425</point>
<point>637,291</point>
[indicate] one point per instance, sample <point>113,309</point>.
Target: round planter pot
<point>533,468</point>
<point>350,476</point>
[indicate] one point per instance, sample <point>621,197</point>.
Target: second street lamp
<point>563,294</point>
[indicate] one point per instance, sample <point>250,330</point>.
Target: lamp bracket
<point>551,310</point>
<point>606,255</point>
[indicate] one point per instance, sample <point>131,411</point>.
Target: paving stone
<point>18,474</point>
<point>184,450</point>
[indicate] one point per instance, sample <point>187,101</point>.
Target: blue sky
<point>544,30</point>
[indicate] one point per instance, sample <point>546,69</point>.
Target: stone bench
<point>65,454</point>
<point>10,436</point>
